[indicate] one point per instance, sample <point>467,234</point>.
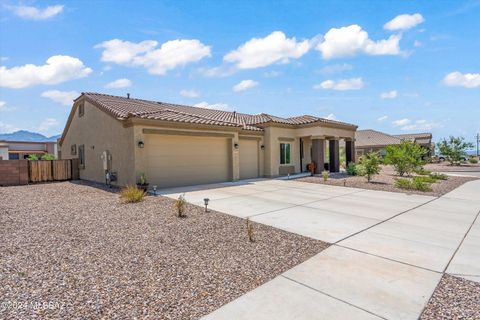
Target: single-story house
<point>15,150</point>
<point>177,145</point>
<point>372,140</point>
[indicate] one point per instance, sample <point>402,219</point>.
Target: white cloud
<point>216,106</point>
<point>467,80</point>
<point>335,68</point>
<point>389,94</point>
<point>352,40</point>
<point>272,74</point>
<point>7,128</point>
<point>170,55</point>
<point>401,122</point>
<point>47,124</point>
<point>261,52</point>
<point>33,13</point>
<point>404,22</point>
<point>417,43</point>
<point>190,93</point>
<point>331,116</point>
<point>244,85</point>
<point>63,97</point>
<point>217,72</point>
<point>342,85</point>
<point>119,83</point>
<point>57,69</point>
<point>382,118</point>
<point>421,125</point>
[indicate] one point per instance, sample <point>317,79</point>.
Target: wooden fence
<point>52,170</point>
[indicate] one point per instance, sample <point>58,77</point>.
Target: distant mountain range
<point>24,135</point>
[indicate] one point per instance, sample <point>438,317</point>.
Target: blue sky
<point>394,66</point>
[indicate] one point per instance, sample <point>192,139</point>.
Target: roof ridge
<point>195,116</point>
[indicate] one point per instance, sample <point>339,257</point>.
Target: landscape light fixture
<point>205,201</point>
<point>141,144</point>
<point>154,190</point>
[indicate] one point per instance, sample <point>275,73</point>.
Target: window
<point>73,149</point>
<point>81,156</point>
<point>81,110</point>
<point>284,153</point>
<point>13,156</point>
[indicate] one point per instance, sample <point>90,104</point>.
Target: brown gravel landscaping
<point>385,182</point>
<point>446,167</point>
<point>74,250</point>
<point>454,298</point>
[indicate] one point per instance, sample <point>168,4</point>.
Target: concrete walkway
<point>389,249</point>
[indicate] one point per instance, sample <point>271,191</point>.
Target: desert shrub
<point>132,194</point>
<point>473,160</point>
<point>412,184</point>
<point>48,156</point>
<point>438,176</point>
<point>454,149</point>
<point>369,165</point>
<point>352,169</point>
<point>423,172</point>
<point>181,204</point>
<point>325,175</point>
<point>427,179</point>
<point>405,157</point>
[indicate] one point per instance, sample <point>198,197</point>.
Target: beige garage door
<point>186,160</point>
<point>248,158</point>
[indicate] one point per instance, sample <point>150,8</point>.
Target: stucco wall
<point>4,152</point>
<point>99,132</point>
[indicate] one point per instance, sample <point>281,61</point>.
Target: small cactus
<point>250,231</point>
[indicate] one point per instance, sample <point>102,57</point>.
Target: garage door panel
<point>248,158</point>
<point>187,160</point>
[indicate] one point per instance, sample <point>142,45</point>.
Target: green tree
<point>32,157</point>
<point>48,156</point>
<point>405,157</point>
<point>369,165</point>
<point>454,149</point>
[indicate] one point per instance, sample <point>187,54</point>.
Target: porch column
<point>334,150</point>
<point>350,151</point>
<point>318,154</point>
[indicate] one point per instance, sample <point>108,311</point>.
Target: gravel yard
<point>75,250</point>
<point>454,298</point>
<point>385,182</point>
<point>446,167</point>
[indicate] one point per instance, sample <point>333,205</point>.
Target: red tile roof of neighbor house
<point>124,108</point>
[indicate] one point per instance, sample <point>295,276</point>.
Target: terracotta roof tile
<point>124,108</point>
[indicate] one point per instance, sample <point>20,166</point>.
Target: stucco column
<point>235,159</point>
<point>350,151</point>
<point>334,151</point>
<point>318,154</point>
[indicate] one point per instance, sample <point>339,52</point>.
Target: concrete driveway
<point>389,249</point>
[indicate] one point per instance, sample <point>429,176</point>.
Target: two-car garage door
<point>187,160</point>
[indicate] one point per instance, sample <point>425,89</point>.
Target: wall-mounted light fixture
<point>141,144</point>
<point>262,147</point>
<point>235,145</point>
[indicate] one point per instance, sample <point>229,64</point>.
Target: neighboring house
<point>177,145</point>
<point>372,140</point>
<point>14,150</point>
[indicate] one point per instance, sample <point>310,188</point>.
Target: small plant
<point>181,204</point>
<point>325,175</point>
<point>32,157</point>
<point>438,176</point>
<point>427,179</point>
<point>405,157</point>
<point>423,172</point>
<point>454,149</point>
<point>412,184</point>
<point>132,194</point>
<point>143,179</point>
<point>370,165</point>
<point>142,184</point>
<point>48,156</point>
<point>473,160</point>
<point>352,169</point>
<point>250,231</point>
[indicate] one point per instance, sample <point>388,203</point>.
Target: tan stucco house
<point>371,140</point>
<point>15,150</point>
<point>177,145</point>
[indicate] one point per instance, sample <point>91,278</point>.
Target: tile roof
<point>367,138</point>
<point>414,136</point>
<point>123,108</point>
